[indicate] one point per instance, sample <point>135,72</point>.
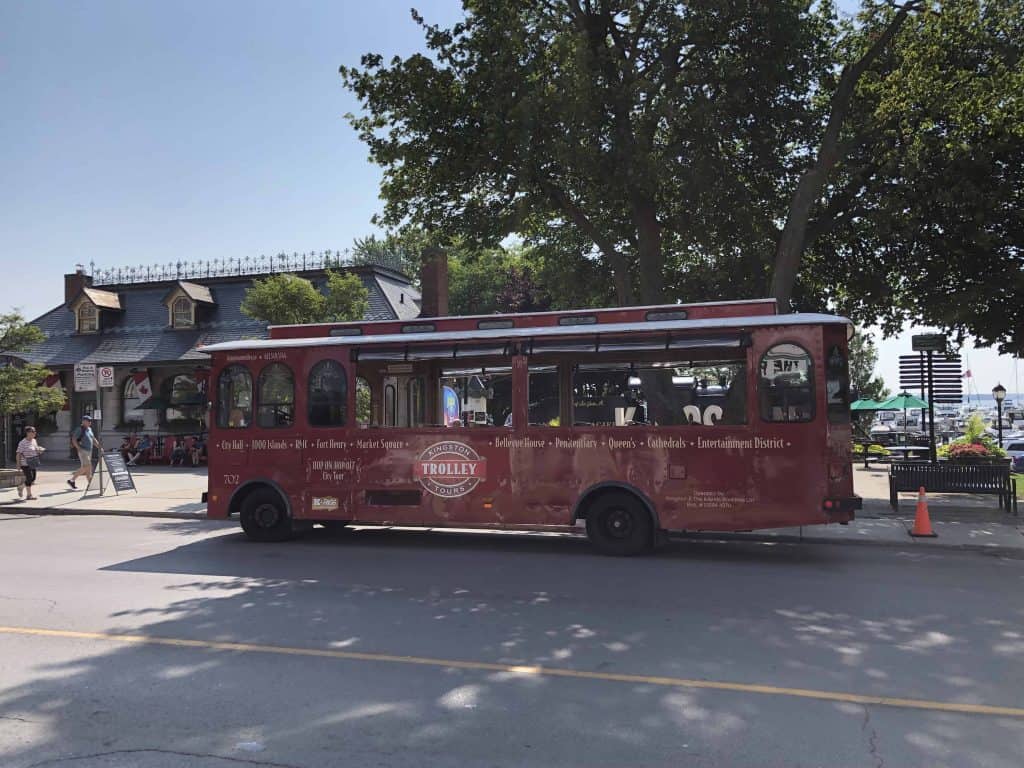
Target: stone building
<point>149,326</point>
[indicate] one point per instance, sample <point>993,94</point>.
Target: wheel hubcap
<point>266,515</point>
<point>619,523</point>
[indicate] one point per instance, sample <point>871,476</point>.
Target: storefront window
<point>234,397</point>
<point>133,397</point>
<point>184,400</point>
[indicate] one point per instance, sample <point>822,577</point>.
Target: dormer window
<point>182,313</point>
<point>90,304</point>
<point>187,304</point>
<point>88,318</point>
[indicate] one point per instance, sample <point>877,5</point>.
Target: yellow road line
<point>518,669</point>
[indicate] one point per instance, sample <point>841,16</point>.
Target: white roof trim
<point>718,324</point>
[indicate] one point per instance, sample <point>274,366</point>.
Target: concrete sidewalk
<point>162,492</point>
<point>966,522</point>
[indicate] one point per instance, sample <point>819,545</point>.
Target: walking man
<point>83,439</point>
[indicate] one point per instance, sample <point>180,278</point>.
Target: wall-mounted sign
<point>85,377</point>
<point>105,375</point>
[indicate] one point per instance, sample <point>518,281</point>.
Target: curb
<point>781,538</point>
<point>786,538</point>
<point>47,511</point>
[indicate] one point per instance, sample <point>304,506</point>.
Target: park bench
<point>954,477</point>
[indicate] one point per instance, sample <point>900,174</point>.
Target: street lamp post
<point>999,393</point>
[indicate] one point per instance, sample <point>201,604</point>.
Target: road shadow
<point>728,611</point>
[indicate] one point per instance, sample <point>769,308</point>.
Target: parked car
<point>1015,450</point>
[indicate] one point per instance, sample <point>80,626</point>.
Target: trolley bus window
<point>543,393</point>
<point>364,402</point>
<point>837,386</point>
<point>275,397</point>
<point>476,396</point>
<point>328,393</point>
<point>390,405</point>
<point>660,394</point>
<point>786,388</point>
<point>234,397</point>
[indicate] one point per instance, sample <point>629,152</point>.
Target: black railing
<point>231,267</point>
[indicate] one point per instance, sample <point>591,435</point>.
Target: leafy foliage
<point>346,299</point>
<point>975,443</point>
<point>694,151</point>
<point>287,299</point>
<point>863,359</point>
<point>924,221</point>
<point>21,389</point>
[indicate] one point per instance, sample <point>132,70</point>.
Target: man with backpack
<point>83,441</point>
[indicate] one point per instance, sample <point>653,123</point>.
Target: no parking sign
<point>105,375</point>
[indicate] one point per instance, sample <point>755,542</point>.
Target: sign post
<point>929,344</point>
<point>105,376</point>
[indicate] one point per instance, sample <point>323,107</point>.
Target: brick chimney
<point>434,283</point>
<point>75,282</point>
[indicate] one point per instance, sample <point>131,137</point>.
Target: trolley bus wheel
<point>619,524</point>
<point>264,516</point>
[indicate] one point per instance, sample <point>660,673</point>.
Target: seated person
<point>178,454</point>
<point>198,450</point>
<point>125,449</point>
<point>142,450</point>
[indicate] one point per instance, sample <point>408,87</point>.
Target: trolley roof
<point>718,326</point>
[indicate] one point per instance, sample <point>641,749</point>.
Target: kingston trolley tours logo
<point>450,469</point>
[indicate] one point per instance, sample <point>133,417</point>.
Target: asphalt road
<point>139,643</point>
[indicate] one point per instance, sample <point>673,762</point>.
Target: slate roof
<point>140,333</point>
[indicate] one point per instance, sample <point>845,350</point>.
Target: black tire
<point>265,517</point>
<point>618,523</point>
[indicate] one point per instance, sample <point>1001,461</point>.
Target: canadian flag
<point>53,380</point>
<point>142,386</point>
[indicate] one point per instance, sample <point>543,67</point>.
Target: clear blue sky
<point>148,132</point>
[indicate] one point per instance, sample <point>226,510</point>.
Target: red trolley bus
<point>720,416</point>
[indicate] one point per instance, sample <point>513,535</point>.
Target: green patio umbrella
<point>904,401</point>
<point>865,404</point>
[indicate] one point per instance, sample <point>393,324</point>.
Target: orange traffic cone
<point>922,523</point>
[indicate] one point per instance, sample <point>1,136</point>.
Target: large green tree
<point>620,125</point>
<point>863,359</point>
<point>924,220</point>
<point>21,389</point>
<point>288,299</point>
<point>719,149</point>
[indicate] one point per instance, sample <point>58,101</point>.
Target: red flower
<point>967,450</point>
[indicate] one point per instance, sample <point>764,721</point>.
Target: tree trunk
<point>793,240</point>
<point>650,257</point>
